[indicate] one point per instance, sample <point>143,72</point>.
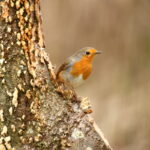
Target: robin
<point>77,68</point>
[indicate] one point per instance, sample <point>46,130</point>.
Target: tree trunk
<point>33,115</point>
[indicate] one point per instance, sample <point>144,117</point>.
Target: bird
<point>77,68</point>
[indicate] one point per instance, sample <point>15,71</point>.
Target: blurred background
<point>119,87</point>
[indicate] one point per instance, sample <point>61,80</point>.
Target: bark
<point>33,114</point>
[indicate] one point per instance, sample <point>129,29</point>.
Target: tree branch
<point>33,115</point>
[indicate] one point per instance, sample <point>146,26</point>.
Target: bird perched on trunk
<point>77,68</point>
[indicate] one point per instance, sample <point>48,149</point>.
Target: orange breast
<point>83,67</point>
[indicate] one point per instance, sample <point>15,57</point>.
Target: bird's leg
<point>67,91</point>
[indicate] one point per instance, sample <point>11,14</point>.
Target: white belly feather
<point>74,81</point>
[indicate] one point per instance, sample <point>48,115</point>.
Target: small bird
<point>77,68</point>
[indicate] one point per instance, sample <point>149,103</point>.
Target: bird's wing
<point>67,64</point>
<point>64,66</point>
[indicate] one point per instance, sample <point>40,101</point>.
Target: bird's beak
<point>98,52</point>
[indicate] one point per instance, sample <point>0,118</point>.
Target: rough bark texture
<point>33,116</point>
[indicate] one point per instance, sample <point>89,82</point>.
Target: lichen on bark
<point>33,115</point>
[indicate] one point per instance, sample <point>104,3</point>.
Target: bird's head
<point>88,53</point>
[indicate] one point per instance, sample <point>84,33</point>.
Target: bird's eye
<point>87,53</point>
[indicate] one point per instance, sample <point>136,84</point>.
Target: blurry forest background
<point>119,87</point>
